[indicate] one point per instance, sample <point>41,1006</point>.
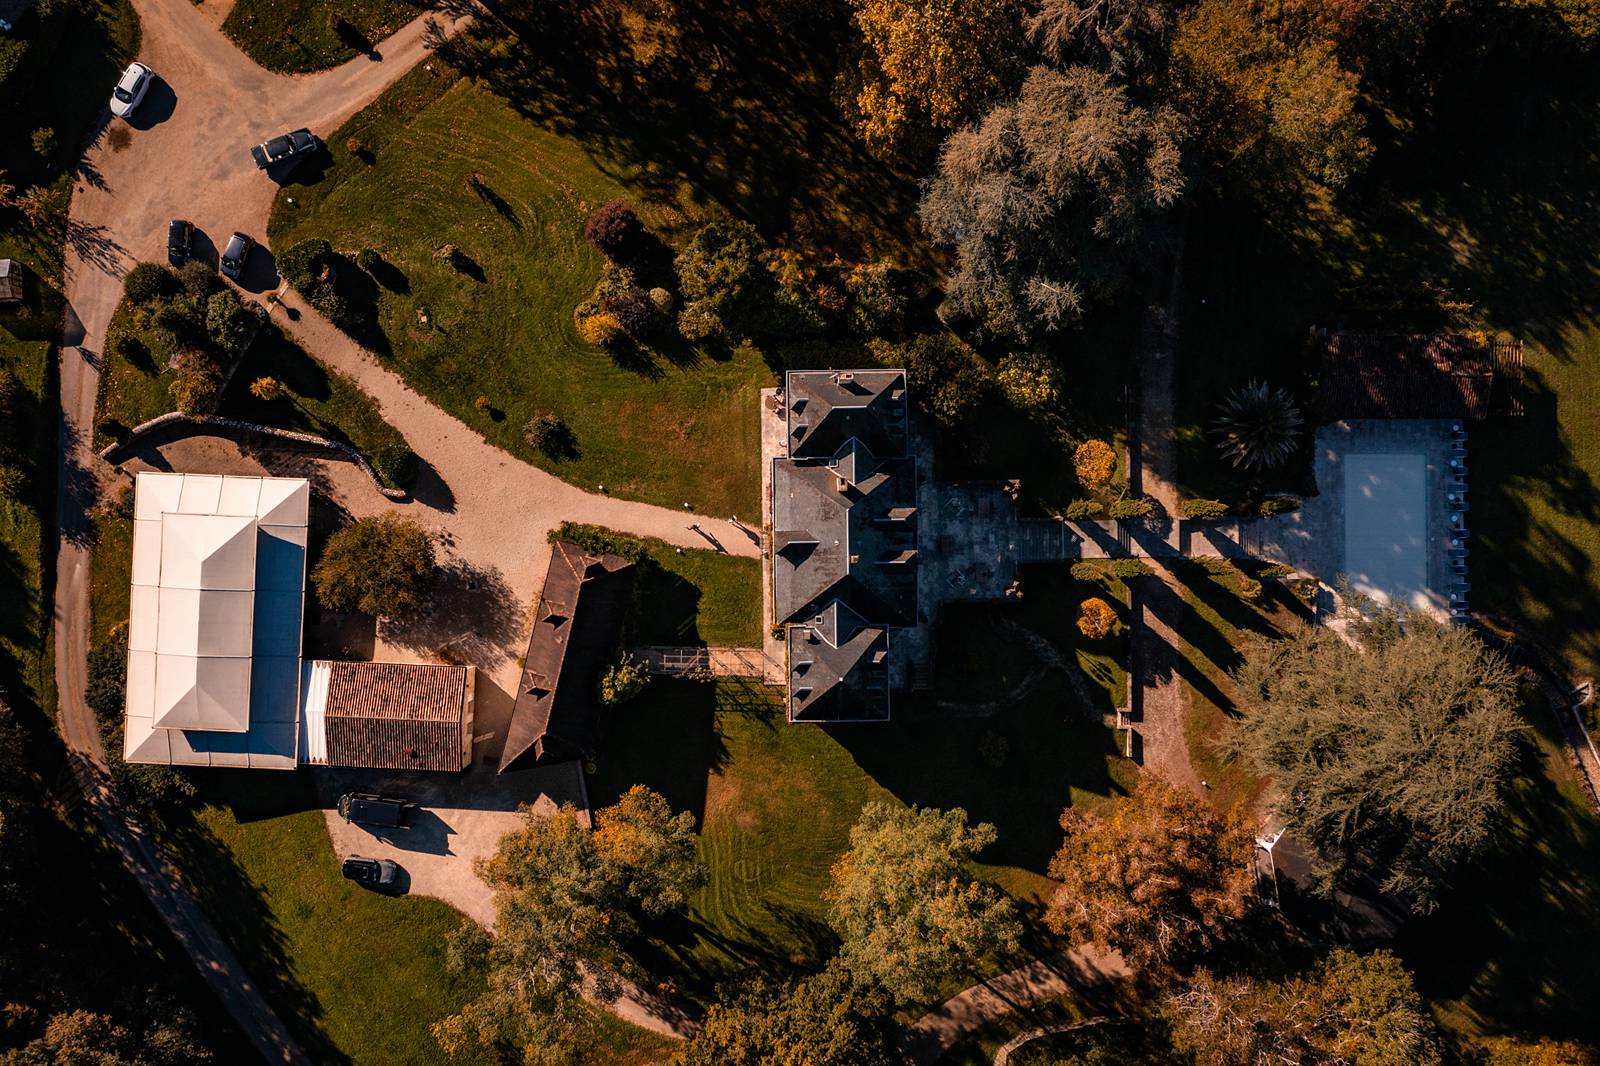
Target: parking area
<point>460,818</point>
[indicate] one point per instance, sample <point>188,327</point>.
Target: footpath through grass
<point>297,36</point>
<point>502,330</point>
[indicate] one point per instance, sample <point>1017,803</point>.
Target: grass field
<point>130,394</point>
<point>699,597</point>
<point>662,432</point>
<point>775,804</point>
<point>296,36</point>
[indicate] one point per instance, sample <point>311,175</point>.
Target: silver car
<point>233,256</point>
<point>131,89</point>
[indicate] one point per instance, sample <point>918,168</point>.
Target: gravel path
<point>1040,981</point>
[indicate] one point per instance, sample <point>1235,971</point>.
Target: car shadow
<point>308,169</point>
<point>157,106</point>
<point>428,834</point>
<point>260,271</point>
<point>203,249</point>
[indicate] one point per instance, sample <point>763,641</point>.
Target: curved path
<point>927,1039</point>
<point>187,158</point>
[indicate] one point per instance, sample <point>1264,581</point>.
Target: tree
<point>651,849</point>
<point>1094,461</point>
<point>829,1019</point>
<point>1029,381</point>
<point>1269,103</point>
<point>383,566</point>
<point>1096,618</point>
<point>1506,1051</point>
<point>147,282</point>
<point>44,141</point>
<point>1350,1009</point>
<point>905,905</point>
<point>13,482</point>
<point>1391,753</point>
<point>37,204</point>
<point>719,271</point>
<point>1048,197</point>
<point>615,231</point>
<point>228,323</point>
<point>1123,37</point>
<point>564,902</point>
<point>928,65</point>
<point>1257,426</point>
<point>1158,877</point>
<point>944,373</point>
<point>266,389</point>
<point>622,681</point>
<point>196,379</point>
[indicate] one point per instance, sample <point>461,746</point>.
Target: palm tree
<point>1257,426</point>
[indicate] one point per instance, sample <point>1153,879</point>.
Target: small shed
<point>389,716</point>
<point>10,281</point>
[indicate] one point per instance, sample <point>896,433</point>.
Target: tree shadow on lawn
<point>667,739</point>
<point>704,112</point>
<point>1051,751</point>
<point>1517,943</point>
<point>1522,563</point>
<point>236,905</point>
<point>700,957</point>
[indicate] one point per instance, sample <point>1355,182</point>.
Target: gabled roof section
<point>576,627</point>
<point>838,668</point>
<point>845,530</point>
<point>1418,375</point>
<point>829,408</point>
<point>396,716</point>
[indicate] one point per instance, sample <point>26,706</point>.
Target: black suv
<point>280,149</point>
<point>180,241</point>
<point>367,808</point>
<point>370,873</point>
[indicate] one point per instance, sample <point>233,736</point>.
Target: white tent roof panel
<point>208,551</point>
<point>198,692</point>
<point>201,494</point>
<point>142,686</point>
<point>239,496</point>
<point>284,501</point>
<point>147,551</point>
<point>156,494</point>
<point>144,615</point>
<point>194,622</point>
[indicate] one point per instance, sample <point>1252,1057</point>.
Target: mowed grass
<point>775,802</point>
<point>296,36</point>
<point>359,977</point>
<point>1536,503</point>
<point>132,394</point>
<point>661,432</point>
<point>699,597</point>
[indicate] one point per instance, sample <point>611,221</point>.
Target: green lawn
<point>318,400</point>
<point>775,804</point>
<point>660,431</point>
<point>699,597</point>
<point>131,394</point>
<point>296,36</point>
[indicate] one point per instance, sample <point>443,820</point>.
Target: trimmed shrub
<point>1275,570</point>
<point>1094,461</point>
<point>149,281</point>
<point>1249,588</point>
<point>266,389</point>
<point>1214,565</point>
<point>1202,509</point>
<point>482,403</point>
<point>663,300</point>
<point>615,231</point>
<point>623,680</point>
<point>1130,568</point>
<point>597,540</point>
<point>1273,505</point>
<point>1096,618</point>
<point>698,321</point>
<point>198,279</point>
<point>1131,509</point>
<point>551,436</point>
<point>599,330</point>
<point>1090,569</point>
<point>1084,510</point>
<point>634,312</point>
<point>395,464</point>
<point>303,263</point>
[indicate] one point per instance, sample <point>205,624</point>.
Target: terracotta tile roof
<point>402,716</point>
<point>1412,375</point>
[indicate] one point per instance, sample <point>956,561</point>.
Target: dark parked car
<point>180,241</point>
<point>366,808</point>
<point>370,873</point>
<point>234,255</point>
<point>281,149</point>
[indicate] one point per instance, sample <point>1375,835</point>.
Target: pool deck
<point>1312,539</point>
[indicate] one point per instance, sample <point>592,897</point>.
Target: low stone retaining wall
<point>114,452</point>
<point>1003,1056</point>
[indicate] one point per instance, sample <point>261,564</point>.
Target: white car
<point>131,89</point>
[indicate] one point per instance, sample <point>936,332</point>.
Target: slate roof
<point>827,408</point>
<point>576,629</point>
<point>400,716</point>
<point>838,668</point>
<point>1415,375</point>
